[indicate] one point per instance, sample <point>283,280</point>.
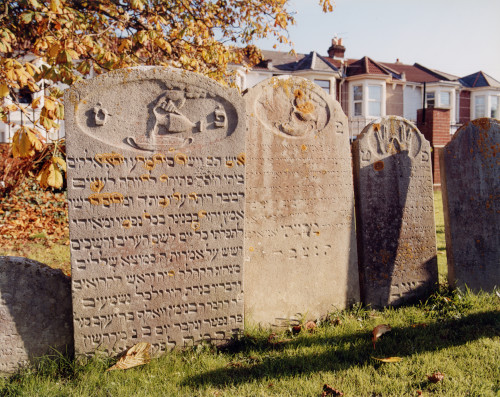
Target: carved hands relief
<point>393,136</point>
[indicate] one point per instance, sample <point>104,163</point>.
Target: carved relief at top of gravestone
<point>35,312</point>
<point>156,206</point>
<point>168,114</point>
<point>300,245</point>
<point>394,213</point>
<point>470,175</point>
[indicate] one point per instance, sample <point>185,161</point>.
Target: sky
<point>459,37</point>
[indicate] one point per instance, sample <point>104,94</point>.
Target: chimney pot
<point>337,50</point>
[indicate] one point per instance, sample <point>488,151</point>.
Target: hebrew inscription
<point>156,212</point>
<point>470,176</point>
<point>394,213</point>
<point>300,254</point>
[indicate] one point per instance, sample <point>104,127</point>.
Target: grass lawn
<point>456,333</point>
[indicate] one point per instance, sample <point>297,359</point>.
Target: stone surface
<point>394,213</point>
<point>300,252</point>
<point>156,209</point>
<point>470,174</point>
<point>35,312</point>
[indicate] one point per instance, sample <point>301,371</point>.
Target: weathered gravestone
<point>394,213</point>
<point>300,252</point>
<point>156,209</point>
<point>35,312</point>
<point>470,177</point>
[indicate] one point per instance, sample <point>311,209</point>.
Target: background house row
<point>368,89</point>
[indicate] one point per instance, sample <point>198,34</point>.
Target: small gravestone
<point>35,312</point>
<point>470,177</point>
<point>300,245</point>
<point>156,209</point>
<point>394,213</point>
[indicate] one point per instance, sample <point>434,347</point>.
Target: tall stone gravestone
<point>300,253</point>
<point>156,209</point>
<point>470,176</point>
<point>394,213</point>
<point>35,312</point>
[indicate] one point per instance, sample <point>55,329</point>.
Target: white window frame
<point>477,113</point>
<point>371,100</point>
<point>490,108</point>
<point>365,99</point>
<point>319,82</point>
<point>428,95</point>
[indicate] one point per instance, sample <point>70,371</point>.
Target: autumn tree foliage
<point>54,43</point>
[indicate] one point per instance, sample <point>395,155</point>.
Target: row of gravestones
<point>167,207</point>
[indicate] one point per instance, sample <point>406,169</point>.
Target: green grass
<point>440,237</point>
<point>456,333</point>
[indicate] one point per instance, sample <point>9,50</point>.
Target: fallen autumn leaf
<point>136,355</point>
<point>378,331</point>
<point>436,377</point>
<point>389,359</point>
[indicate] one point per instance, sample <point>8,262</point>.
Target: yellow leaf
<point>4,90</point>
<point>22,146</point>
<point>136,355</point>
<point>389,359</point>
<point>59,161</point>
<point>49,104</point>
<point>36,102</point>
<point>55,178</point>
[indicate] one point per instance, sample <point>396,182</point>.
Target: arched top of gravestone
<point>151,109</point>
<point>480,136</point>
<point>391,135</point>
<point>294,107</point>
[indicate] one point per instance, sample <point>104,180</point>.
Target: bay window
<point>374,100</point>
<point>494,107</point>
<point>358,100</point>
<point>480,106</point>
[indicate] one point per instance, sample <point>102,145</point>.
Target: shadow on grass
<point>351,350</point>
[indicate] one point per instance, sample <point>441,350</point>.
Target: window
<point>25,95</point>
<point>374,100</point>
<point>357,94</point>
<point>494,107</point>
<point>480,106</point>
<point>445,99</point>
<point>430,99</point>
<point>325,84</point>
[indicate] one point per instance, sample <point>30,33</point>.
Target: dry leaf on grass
<point>330,391</point>
<point>378,331</point>
<point>389,359</point>
<point>136,355</point>
<point>436,377</point>
<point>310,326</point>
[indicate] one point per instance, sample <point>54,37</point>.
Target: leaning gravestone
<point>300,245</point>
<point>470,177</point>
<point>156,209</point>
<point>35,312</point>
<point>394,213</point>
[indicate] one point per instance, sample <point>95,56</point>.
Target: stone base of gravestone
<point>470,176</point>
<point>35,312</point>
<point>394,213</point>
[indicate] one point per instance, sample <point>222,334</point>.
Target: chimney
<point>337,49</point>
